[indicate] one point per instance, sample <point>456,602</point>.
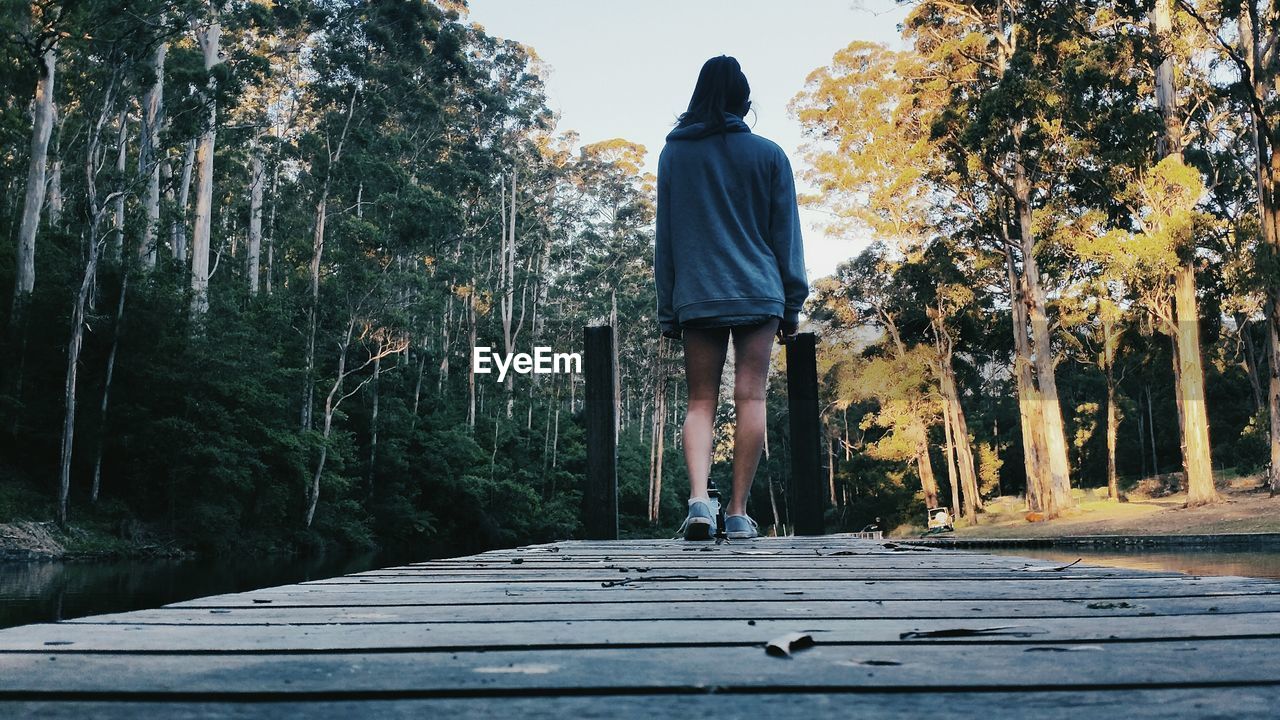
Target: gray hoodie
<point>728,229</point>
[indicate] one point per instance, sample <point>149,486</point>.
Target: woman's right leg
<point>704,354</point>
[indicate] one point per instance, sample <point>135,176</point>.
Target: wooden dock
<point>675,629</point>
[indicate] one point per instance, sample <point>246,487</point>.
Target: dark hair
<point>721,88</point>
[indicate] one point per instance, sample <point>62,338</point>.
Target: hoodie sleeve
<point>785,238</point>
<point>663,263</point>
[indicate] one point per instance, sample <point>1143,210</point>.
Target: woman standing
<point>728,262</point>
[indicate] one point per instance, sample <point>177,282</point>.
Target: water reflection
<point>33,592</point>
<point>1257,563</point>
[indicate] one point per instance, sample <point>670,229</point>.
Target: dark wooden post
<point>802,407</point>
<point>600,498</point>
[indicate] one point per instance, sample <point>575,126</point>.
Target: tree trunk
<point>330,404</point>
<point>507,280</point>
<point>179,229</point>
<point>69,387</point>
<point>658,436</point>
<point>1273,384</point>
<point>117,206</point>
<point>373,423</point>
<point>924,466</point>
<point>148,158</point>
<point>87,279</point>
<point>1251,362</point>
<point>832,437</point>
<point>41,129</point>
<point>207,34</point>
<point>966,466</point>
<point>313,313</point>
<point>271,231</point>
<point>56,199</point>
<point>1200,488</point>
<point>1170,142</point>
<point>1194,423</point>
<point>256,180</point>
<point>952,480</point>
<point>1113,416</point>
<point>106,387</point>
<point>1033,449</point>
<point>1059,470</point>
<point>471,368</point>
<point>317,254</point>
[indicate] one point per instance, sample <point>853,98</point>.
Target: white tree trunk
<point>256,180</point>
<point>117,205</point>
<point>75,342</point>
<point>55,192</point>
<point>179,229</point>
<point>41,129</point>
<point>271,231</point>
<point>207,35</point>
<point>149,156</point>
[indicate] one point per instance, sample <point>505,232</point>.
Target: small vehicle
<point>939,521</point>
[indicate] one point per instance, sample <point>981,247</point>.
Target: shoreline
<point>44,541</point>
<point>1217,541</point>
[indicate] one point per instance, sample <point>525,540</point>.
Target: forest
<point>254,244</point>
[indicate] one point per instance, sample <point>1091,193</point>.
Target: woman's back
<point>728,231</point>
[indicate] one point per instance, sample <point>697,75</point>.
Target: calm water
<point>1258,563</point>
<point>33,592</point>
<point>48,591</point>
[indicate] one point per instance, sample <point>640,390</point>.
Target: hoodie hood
<point>697,130</point>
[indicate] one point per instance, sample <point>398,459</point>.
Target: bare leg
<point>704,354</point>
<point>752,347</point>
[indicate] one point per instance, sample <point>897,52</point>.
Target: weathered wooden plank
<point>727,576</point>
<point>64,637</point>
<point>689,609</point>
<point>651,589</point>
<point>902,666</point>
<point>1228,703</point>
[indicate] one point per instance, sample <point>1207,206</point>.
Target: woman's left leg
<point>752,350</point>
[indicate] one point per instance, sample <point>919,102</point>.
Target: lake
<point>1249,563</point>
<point>32,592</point>
<point>47,591</point>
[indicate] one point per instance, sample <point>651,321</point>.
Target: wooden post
<point>802,407</point>
<point>600,497</point>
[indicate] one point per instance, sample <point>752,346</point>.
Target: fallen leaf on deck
<point>785,645</point>
<point>905,548</point>
<point>629,581</point>
<point>874,663</point>
<point>1054,568</point>
<point>1010,630</point>
<point>522,669</point>
<point>754,552</point>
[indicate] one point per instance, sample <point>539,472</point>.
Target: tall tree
<point>207,26</point>
<point>42,45</point>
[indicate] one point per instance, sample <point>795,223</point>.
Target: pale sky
<point>627,69</point>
